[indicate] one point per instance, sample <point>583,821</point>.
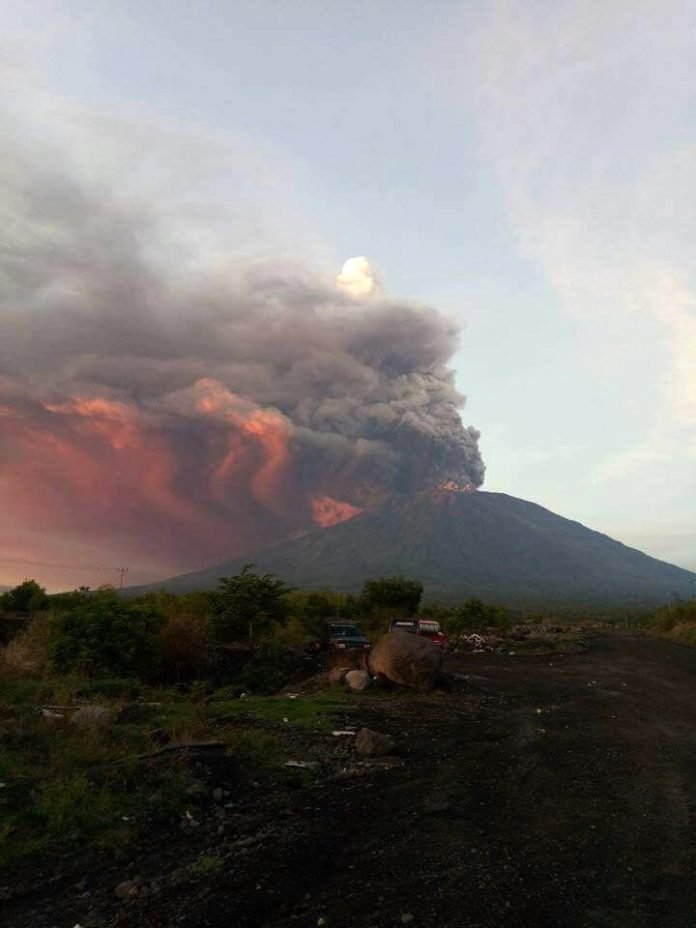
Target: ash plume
<point>194,412</point>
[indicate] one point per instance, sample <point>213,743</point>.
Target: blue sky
<point>528,168</point>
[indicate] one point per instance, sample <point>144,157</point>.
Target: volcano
<point>462,544</point>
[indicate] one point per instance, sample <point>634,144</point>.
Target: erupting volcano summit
<point>467,543</point>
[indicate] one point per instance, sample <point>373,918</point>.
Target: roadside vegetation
<point>105,702</point>
<point>676,621</point>
<point>112,709</point>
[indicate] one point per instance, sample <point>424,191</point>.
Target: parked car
<point>346,636</point>
<point>425,628</point>
<point>341,635</point>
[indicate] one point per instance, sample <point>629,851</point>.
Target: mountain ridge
<point>463,544</point>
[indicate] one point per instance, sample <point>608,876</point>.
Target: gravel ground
<point>543,791</point>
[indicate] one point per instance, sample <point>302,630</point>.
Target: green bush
<point>385,598</point>
<point>676,621</point>
<point>249,606</point>
<point>28,598</point>
<point>474,615</point>
<point>105,636</point>
<point>272,667</point>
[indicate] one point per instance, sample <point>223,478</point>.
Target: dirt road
<point>561,791</point>
<point>570,801</point>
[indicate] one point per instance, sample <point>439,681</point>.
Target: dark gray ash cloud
<point>206,409</point>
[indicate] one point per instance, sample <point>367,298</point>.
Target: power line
<point>121,571</point>
<point>4,560</point>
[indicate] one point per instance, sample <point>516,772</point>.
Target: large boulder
<point>407,660</point>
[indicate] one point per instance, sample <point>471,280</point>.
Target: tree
<point>474,615</point>
<point>248,605</point>
<point>312,612</point>
<point>105,635</point>
<point>317,613</point>
<point>61,602</point>
<point>390,597</point>
<point>28,597</point>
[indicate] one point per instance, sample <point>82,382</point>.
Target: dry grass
<point>27,655</point>
<point>682,632</point>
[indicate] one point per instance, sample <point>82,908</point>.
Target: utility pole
<point>121,571</point>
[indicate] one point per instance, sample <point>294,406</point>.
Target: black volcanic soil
<point>559,792</point>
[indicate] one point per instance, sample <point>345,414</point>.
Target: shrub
<point>198,603</point>
<point>685,634</point>
<point>106,636</point>
<point>28,597</point>
<point>676,621</point>
<point>294,634</point>
<point>474,615</point>
<point>271,668</point>
<point>667,622</point>
<point>28,654</point>
<point>185,647</point>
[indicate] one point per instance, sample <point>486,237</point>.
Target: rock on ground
<point>370,743</point>
<point>337,674</point>
<point>358,680</point>
<point>91,716</point>
<point>407,660</point>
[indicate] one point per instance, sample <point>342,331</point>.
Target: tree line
<point>101,632</point>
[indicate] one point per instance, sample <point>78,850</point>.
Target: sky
<point>528,169</point>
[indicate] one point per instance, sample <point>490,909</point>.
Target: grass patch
<point>62,788</point>
<point>206,865</point>
<point>315,711</point>
<point>65,811</point>
<point>256,749</point>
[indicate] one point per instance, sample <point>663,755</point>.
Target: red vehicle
<point>425,628</point>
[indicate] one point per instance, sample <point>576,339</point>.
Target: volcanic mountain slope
<point>463,544</point>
